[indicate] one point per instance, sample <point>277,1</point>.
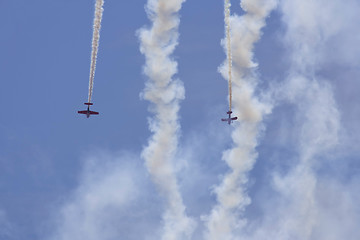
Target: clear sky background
<point>53,159</point>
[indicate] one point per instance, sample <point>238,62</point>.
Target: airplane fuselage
<point>88,112</point>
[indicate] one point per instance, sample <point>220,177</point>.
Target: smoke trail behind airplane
<point>228,46</point>
<point>224,221</point>
<point>164,93</point>
<point>95,44</point>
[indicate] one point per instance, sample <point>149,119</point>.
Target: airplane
<point>88,112</point>
<point>230,119</point>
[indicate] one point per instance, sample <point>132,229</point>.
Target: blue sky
<point>51,158</point>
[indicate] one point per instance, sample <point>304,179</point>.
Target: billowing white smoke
<point>224,220</point>
<point>95,44</point>
<point>164,94</point>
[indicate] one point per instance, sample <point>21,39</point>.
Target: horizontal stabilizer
<point>88,103</point>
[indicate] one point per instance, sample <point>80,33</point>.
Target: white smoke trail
<point>95,44</point>
<point>164,94</point>
<point>232,198</point>
<point>228,46</point>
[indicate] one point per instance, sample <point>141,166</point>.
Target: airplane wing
<point>224,120</point>
<point>94,113</point>
<point>82,112</point>
<point>234,118</point>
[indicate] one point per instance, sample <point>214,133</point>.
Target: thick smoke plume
<point>224,221</point>
<point>164,93</point>
<point>95,44</point>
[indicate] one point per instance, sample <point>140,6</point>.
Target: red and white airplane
<point>88,112</point>
<point>229,119</point>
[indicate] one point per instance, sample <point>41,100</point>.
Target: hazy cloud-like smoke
<point>317,116</point>
<point>107,187</point>
<point>307,203</point>
<point>164,93</point>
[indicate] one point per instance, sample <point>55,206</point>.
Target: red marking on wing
<point>82,112</point>
<point>94,113</point>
